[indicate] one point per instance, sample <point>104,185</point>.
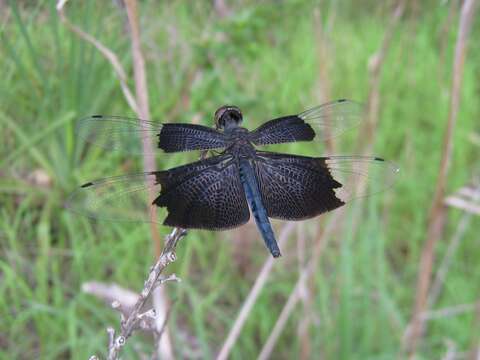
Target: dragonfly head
<point>228,116</point>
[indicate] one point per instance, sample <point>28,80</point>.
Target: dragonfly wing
<point>282,130</point>
<point>206,194</point>
<point>118,133</point>
<point>127,134</point>
<point>299,187</point>
<point>321,122</point>
<point>119,198</point>
<point>187,137</point>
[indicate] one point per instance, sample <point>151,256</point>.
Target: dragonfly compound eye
<point>227,114</point>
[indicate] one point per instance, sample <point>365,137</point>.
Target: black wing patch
<point>187,137</point>
<point>321,122</point>
<point>282,130</point>
<point>295,187</point>
<point>206,194</point>
<point>299,187</point>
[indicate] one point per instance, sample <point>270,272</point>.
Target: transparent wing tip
<point>361,176</point>
<point>117,132</point>
<point>124,198</point>
<point>332,118</point>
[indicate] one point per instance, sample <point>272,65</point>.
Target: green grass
<point>264,60</point>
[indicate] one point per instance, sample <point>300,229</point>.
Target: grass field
<point>268,60</point>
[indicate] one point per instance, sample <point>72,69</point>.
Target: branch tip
<point>116,304</point>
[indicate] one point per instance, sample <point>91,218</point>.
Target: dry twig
<point>136,319</point>
<point>437,212</point>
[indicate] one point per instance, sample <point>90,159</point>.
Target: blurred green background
<point>269,59</point>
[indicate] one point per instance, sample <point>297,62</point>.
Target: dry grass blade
<point>139,104</point>
<point>296,294</point>
<point>324,86</point>
<point>160,300</point>
<point>221,8</point>
<point>466,199</point>
<point>367,133</point>
<point>437,213</point>
<point>475,348</point>
<point>305,297</point>
<point>252,297</point>
<point>473,195</point>
<point>143,112</point>
<point>375,65</point>
<point>293,299</point>
<point>105,51</point>
<point>448,312</point>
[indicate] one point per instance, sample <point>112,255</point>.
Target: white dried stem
<point>463,204</point>
<point>124,299</point>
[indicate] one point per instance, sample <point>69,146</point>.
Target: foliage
<point>265,59</point>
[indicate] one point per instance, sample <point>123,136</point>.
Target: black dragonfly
<point>216,192</point>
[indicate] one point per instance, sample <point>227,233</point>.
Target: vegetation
<point>268,60</point>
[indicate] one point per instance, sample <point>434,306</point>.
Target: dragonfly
<point>237,179</point>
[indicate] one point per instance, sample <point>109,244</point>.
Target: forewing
<point>298,187</point>
<point>204,195</point>
<point>127,134</point>
<point>120,198</point>
<point>289,128</point>
<point>187,137</point>
<point>321,122</point>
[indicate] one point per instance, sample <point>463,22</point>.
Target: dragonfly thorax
<point>239,143</point>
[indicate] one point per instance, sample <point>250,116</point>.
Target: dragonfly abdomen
<point>254,199</point>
